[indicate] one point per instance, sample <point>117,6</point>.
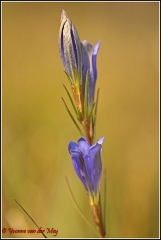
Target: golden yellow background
<point>37,128</point>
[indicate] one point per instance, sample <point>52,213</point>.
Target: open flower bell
<point>88,165</point>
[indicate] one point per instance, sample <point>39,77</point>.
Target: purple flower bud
<point>70,48</point>
<point>89,63</point>
<point>87,164</point>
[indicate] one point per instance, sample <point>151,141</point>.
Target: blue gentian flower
<point>87,163</point>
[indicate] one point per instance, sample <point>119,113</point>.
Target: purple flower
<point>87,163</point>
<point>70,49</point>
<point>89,64</point>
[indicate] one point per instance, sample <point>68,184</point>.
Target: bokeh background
<point>37,129</point>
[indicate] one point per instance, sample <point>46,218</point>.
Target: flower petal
<point>94,58</point>
<point>61,45</point>
<point>87,50</point>
<point>73,147</point>
<point>89,63</point>
<point>96,48</point>
<point>83,145</point>
<point>94,165</point>
<point>68,50</point>
<point>77,50</point>
<point>101,140</point>
<point>79,167</point>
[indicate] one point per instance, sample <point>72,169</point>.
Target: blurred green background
<point>37,129</point>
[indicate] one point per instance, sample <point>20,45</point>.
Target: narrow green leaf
<point>78,208</point>
<point>29,217</point>
<point>75,110</point>
<point>91,113</point>
<point>86,96</point>
<point>74,121</point>
<point>95,113</point>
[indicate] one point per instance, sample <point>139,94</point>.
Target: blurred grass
<point>36,128</point>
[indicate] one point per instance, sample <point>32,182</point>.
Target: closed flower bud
<point>70,49</point>
<point>89,64</point>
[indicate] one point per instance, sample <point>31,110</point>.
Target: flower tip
<point>73,147</point>
<point>62,11</point>
<point>98,43</point>
<point>101,140</point>
<point>82,139</point>
<point>70,146</point>
<point>64,16</point>
<point>96,47</point>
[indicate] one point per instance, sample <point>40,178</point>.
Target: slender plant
<point>79,62</point>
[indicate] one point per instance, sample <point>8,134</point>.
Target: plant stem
<point>97,215</point>
<point>96,209</point>
<point>88,131</point>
